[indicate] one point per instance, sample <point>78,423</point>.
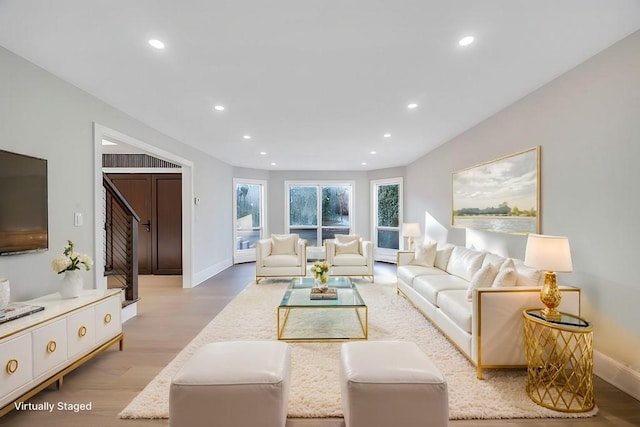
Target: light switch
<point>77,219</point>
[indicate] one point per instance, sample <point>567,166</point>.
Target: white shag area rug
<point>315,388</point>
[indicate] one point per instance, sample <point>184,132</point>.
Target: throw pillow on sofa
<point>482,278</point>
<point>506,277</point>
<point>425,255</point>
<point>442,256</point>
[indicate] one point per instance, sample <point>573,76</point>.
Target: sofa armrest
<point>405,257</point>
<point>301,251</point>
<point>263,249</point>
<point>367,251</point>
<point>497,325</point>
<point>330,250</point>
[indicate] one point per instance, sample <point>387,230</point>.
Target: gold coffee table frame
<point>560,361</point>
<point>297,297</point>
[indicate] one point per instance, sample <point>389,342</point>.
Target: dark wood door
<point>136,188</point>
<point>167,217</point>
<point>157,199</point>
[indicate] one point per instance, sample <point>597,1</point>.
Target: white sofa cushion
<point>442,256</point>
<point>407,273</point>
<point>351,247</point>
<point>283,244</point>
<point>482,279</point>
<point>281,261</point>
<point>464,262</point>
<point>455,305</point>
<point>349,259</point>
<point>430,286</point>
<point>425,254</point>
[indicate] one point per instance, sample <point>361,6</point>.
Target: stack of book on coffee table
<point>327,293</point>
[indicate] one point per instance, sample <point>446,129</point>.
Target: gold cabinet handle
<point>51,346</point>
<point>107,318</point>
<point>12,366</point>
<point>82,331</point>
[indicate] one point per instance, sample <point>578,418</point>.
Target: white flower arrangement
<point>70,260</point>
<point>320,271</point>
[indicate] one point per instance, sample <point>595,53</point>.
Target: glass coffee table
<point>300,318</point>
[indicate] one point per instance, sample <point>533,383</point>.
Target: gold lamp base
<point>550,297</point>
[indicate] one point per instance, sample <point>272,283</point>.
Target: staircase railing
<point>120,242</point>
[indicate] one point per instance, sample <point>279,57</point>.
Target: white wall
<point>588,125</point>
<point>43,116</point>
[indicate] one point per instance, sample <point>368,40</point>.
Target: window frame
<point>319,185</point>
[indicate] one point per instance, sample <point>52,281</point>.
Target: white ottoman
<point>233,384</point>
<point>391,383</point>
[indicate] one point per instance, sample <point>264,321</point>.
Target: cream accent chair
<point>349,255</point>
<point>282,255</point>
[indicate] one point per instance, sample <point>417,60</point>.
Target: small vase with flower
<point>69,263</point>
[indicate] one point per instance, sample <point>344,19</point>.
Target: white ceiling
<point>316,83</point>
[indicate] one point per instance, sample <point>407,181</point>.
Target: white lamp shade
<point>550,253</point>
<point>410,229</point>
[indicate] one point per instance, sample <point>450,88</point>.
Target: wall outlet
<point>196,200</point>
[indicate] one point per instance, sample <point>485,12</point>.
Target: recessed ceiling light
<point>364,163</point>
<point>273,163</point>
<point>105,142</point>
<point>263,153</point>
<point>219,108</point>
<point>466,41</point>
<point>373,152</point>
<point>387,135</point>
<point>412,106</point>
<point>156,43</point>
<point>247,136</point>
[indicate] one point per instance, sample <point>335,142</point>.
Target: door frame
<point>248,255</point>
<point>101,132</point>
<point>382,254</point>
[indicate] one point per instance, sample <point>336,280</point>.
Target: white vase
<point>4,293</point>
<point>71,284</point>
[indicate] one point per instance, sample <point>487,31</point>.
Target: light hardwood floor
<point>169,317</point>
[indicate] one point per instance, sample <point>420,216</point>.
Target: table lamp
<point>549,253</point>
<point>410,230</point>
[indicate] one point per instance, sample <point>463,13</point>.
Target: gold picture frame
<point>501,195</point>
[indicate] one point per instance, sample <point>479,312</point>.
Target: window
<point>387,213</point>
<point>248,217</point>
<point>319,211</point>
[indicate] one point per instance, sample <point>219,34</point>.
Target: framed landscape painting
<point>501,195</point>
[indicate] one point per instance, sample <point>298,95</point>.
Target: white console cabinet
<point>41,348</point>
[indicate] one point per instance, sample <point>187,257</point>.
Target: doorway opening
<point>185,184</point>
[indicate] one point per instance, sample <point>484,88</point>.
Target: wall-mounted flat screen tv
<point>23,204</point>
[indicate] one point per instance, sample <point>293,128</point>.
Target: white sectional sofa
<point>483,322</point>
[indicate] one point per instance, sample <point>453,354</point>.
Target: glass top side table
<point>559,361</point>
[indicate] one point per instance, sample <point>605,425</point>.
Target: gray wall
<point>588,124</point>
<point>43,116</point>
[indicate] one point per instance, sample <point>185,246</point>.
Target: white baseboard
<point>129,312</point>
<point>615,373</point>
<point>211,271</point>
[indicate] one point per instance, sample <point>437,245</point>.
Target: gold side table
<point>560,361</point>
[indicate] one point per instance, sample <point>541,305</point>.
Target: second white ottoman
<point>391,383</point>
<point>233,384</point>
